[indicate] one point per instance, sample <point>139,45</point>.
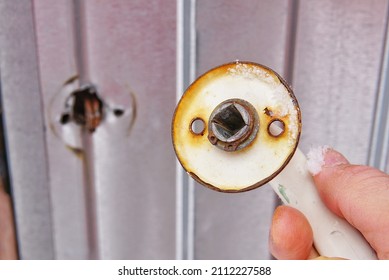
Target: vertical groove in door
<point>379,142</point>
<point>291,35</point>
<point>24,126</point>
<point>81,53</point>
<point>290,49</point>
<point>186,69</point>
<point>80,38</point>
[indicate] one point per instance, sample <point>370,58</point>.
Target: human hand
<point>8,249</point>
<point>359,194</point>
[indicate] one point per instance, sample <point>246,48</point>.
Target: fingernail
<point>333,158</point>
<point>323,156</point>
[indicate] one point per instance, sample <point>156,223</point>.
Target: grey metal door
<point>118,193</point>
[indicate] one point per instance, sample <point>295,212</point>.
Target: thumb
<point>359,194</point>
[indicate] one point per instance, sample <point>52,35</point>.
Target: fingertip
<point>333,158</point>
<point>359,194</point>
<point>331,175</point>
<point>322,157</point>
<point>291,235</point>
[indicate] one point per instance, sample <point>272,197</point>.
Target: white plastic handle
<point>333,236</point>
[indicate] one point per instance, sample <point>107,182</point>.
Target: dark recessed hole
<point>197,126</point>
<point>65,118</point>
<point>87,106</point>
<point>276,128</point>
<point>228,121</point>
<point>118,112</point>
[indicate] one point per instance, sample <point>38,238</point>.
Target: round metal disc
<point>255,118</point>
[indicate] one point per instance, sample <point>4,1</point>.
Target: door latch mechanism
<point>77,109</point>
<point>84,107</point>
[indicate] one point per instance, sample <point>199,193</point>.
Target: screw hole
<point>197,126</point>
<point>65,118</point>
<point>276,128</point>
<point>118,112</point>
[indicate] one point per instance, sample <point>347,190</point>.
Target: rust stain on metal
<point>233,125</point>
<point>78,152</point>
<point>87,109</point>
<point>197,131</point>
<point>273,131</point>
<point>268,112</point>
<point>236,127</point>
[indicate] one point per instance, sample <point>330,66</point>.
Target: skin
<point>359,194</point>
<point>8,249</point>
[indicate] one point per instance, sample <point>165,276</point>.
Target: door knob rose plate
<point>236,127</point>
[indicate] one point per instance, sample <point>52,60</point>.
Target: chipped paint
<point>282,191</point>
